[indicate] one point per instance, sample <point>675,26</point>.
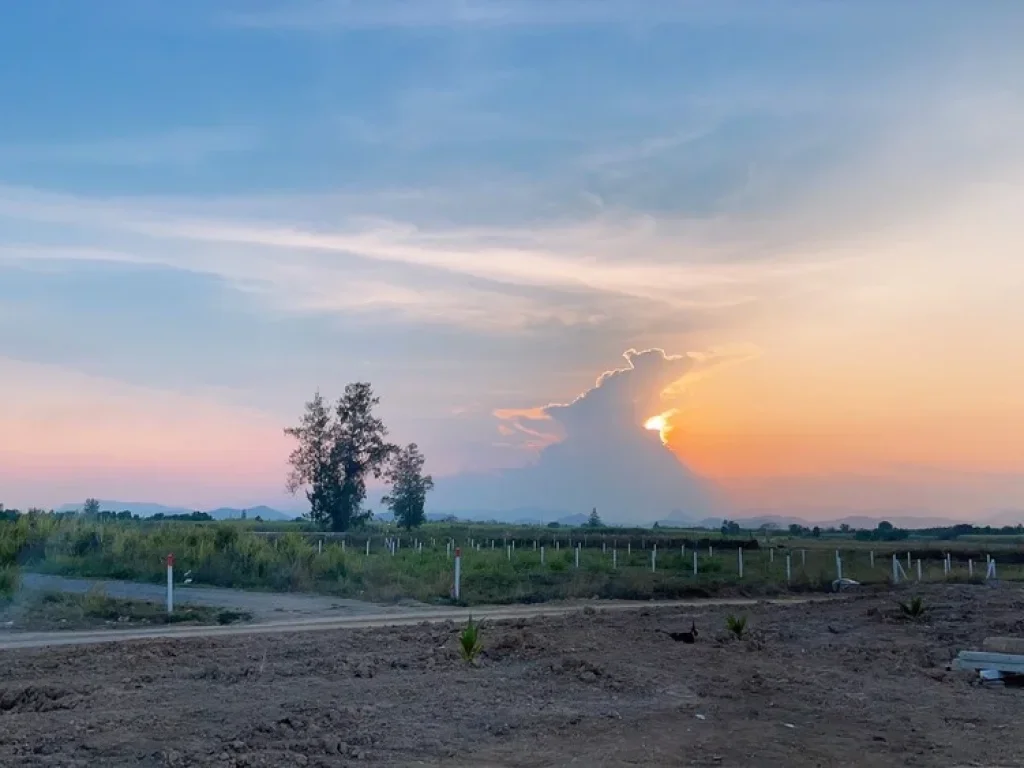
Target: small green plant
<point>737,625</point>
<point>10,579</point>
<point>914,609</point>
<point>469,641</point>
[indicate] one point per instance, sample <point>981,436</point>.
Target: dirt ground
<point>821,684</point>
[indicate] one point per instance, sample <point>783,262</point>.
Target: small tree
<point>91,507</point>
<point>336,453</point>
<point>594,521</point>
<point>409,487</point>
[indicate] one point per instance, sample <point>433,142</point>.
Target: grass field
<point>500,564</point>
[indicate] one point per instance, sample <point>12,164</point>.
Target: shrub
<point>737,625</point>
<point>10,579</point>
<point>914,609</point>
<point>469,641</point>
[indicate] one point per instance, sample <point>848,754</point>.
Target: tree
<point>338,450</point>
<point>409,487</point>
<point>844,528</point>
<point>594,521</point>
<point>816,532</point>
<point>91,508</point>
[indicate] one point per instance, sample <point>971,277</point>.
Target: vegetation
<point>469,641</point>
<point>409,488</point>
<point>10,578</point>
<point>594,521</point>
<point>69,611</point>
<point>914,609</point>
<point>614,562</point>
<point>737,625</point>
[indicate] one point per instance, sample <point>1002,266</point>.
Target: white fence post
<point>839,566</point>
<point>170,583</point>
<point>991,574</point>
<point>872,558</point>
<point>739,561</point>
<point>771,555</point>
<point>615,559</point>
<point>654,559</point>
<point>789,568</point>
<point>367,546</point>
<point>970,569</point>
<point>919,569</point>
<point>577,555</point>
<point>320,547</point>
<point>508,551</point>
<point>542,555</point>
<point>694,562</point>
<point>895,570</point>
<point>458,573</point>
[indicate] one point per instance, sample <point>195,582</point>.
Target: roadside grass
<point>62,610</point>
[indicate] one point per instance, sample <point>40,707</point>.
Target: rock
<point>587,676</point>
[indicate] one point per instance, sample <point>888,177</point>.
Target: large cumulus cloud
<point>595,452</point>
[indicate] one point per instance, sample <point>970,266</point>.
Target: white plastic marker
<point>839,566</point>
<point>654,558</point>
<point>615,558</point>
<point>367,546</point>
<point>695,562</point>
<point>604,547</point>
<point>170,583</point>
<point>991,569</point>
<point>448,550</point>
<point>970,569</point>
<point>872,558</point>
<point>789,568</point>
<point>919,569</point>
<point>711,551</point>
<point>458,573</point>
<point>771,555</point>
<point>629,547</point>
<point>739,561</point>
<point>577,555</point>
<point>542,555</point>
<point>508,551</point>
<point>909,564</point>
<point>895,570</point>
<point>682,550</point>
<point>320,547</point>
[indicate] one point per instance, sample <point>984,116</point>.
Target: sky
<point>211,208</point>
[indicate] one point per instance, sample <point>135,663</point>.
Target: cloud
<point>178,147</point>
<point>594,451</point>
<point>317,15</point>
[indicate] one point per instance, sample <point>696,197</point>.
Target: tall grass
<point>231,554</point>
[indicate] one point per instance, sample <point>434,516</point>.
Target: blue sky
<point>474,204</point>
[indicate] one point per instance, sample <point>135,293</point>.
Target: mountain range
<point>148,509</point>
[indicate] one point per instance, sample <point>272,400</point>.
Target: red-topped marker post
<point>170,583</point>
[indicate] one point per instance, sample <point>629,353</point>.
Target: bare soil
<point>842,683</point>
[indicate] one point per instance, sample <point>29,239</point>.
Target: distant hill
<point>262,512</point>
<point>141,508</point>
<point>854,521</point>
<point>148,509</point>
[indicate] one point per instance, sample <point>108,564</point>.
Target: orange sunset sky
<point>206,221</point>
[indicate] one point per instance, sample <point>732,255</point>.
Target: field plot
<point>850,681</point>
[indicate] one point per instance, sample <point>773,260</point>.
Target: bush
<point>10,580</point>
<point>737,625</point>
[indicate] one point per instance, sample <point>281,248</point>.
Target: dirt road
<point>367,620</point>
<point>838,683</point>
<point>264,606</point>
